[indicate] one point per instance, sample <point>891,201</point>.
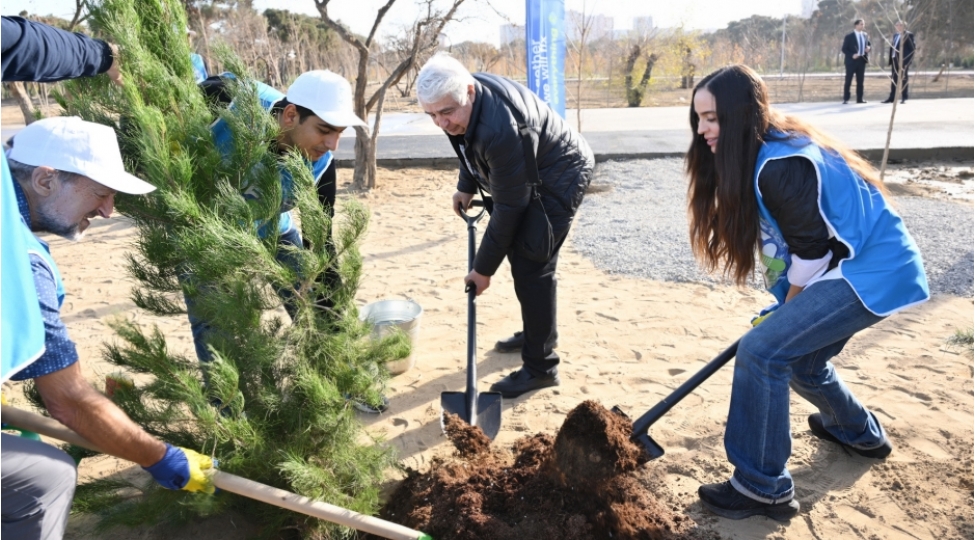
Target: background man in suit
<point>856,47</point>
<point>901,44</point>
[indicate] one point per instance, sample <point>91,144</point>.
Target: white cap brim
<point>340,118</point>
<point>124,182</point>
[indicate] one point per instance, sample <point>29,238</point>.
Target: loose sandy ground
<point>624,342</point>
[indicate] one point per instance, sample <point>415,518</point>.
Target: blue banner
<point>545,43</point>
<point>22,335</point>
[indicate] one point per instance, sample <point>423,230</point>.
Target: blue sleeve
<point>34,51</point>
<point>60,351</point>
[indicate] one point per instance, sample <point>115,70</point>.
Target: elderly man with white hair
<point>523,157</point>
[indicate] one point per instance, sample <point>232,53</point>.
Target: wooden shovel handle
<point>232,483</point>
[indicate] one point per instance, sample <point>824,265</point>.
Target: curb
<point>872,154</point>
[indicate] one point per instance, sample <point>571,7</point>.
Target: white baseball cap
<point>70,144</point>
<point>326,94</point>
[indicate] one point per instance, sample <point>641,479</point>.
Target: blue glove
<point>764,314</point>
<point>183,469</point>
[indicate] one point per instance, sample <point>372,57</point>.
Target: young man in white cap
<point>312,116</point>
<point>65,172</point>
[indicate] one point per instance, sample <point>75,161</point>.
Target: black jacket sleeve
<point>790,191</point>
<point>510,193</point>
<point>849,45</point>
<point>34,51</point>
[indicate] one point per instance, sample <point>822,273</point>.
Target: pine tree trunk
<point>20,94</point>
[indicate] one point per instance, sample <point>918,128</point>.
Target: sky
<point>481,19</point>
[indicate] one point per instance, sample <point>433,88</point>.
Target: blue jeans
<point>793,347</point>
<point>201,329</point>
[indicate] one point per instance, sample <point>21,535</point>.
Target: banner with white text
<point>545,41</point>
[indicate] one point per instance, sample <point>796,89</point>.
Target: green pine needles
<point>273,405</point>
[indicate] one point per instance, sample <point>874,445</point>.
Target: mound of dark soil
<point>578,486</point>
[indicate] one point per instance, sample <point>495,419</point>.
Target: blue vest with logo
<point>21,327</point>
<point>884,266</point>
<point>224,139</point>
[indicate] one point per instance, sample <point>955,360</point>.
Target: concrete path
<point>924,128</point>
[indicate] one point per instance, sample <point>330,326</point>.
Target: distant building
<point>511,33</point>
<point>808,7</point>
<point>643,26</point>
<point>599,26</point>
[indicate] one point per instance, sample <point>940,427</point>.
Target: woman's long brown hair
<point>721,194</point>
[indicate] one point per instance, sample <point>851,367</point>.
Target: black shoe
<point>903,101</point>
<point>861,101</point>
<point>845,102</point>
<point>889,101</point>
<point>522,381</point>
<point>816,426</point>
<point>724,500</point>
<point>515,343</point>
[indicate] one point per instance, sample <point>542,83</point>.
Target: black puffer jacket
<point>493,148</point>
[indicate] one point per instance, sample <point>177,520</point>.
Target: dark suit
<point>893,62</point>
<point>854,66</point>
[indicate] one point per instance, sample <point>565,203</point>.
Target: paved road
<point>924,128</point>
<point>935,128</point>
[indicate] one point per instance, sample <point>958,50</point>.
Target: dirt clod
<point>577,486</point>
<point>594,445</point>
<point>467,439</point>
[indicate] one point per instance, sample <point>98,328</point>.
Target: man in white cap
<point>66,172</point>
<point>312,116</point>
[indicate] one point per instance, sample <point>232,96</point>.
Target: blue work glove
<point>764,314</point>
<point>181,468</point>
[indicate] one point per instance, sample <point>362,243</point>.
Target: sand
<point>623,341</point>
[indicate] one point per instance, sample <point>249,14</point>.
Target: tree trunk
<point>633,95</point>
<point>364,177</point>
<point>20,94</point>
<point>893,110</point>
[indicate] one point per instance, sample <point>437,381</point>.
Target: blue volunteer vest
<point>224,141</point>
<point>199,68</point>
<point>21,325</point>
<point>884,267</point>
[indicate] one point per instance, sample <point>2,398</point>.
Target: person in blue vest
<point>66,172</point>
<point>833,252</point>
<point>34,51</point>
<point>312,115</point>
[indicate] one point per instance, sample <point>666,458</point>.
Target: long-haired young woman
<point>832,251</point>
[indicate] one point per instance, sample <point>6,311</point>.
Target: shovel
<point>480,410</point>
<point>641,428</point>
<point>235,484</point>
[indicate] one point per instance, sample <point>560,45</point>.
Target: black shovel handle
<point>472,219</point>
<point>642,424</point>
<point>471,291</point>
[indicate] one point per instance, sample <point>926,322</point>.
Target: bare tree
<point>635,92</point>
<point>899,86</point>
<point>23,100</point>
<point>427,30</point>
<point>81,14</point>
<point>583,27</point>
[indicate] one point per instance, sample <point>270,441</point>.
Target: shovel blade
<point>651,449</point>
<point>488,416</point>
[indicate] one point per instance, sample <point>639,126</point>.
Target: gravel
<point>635,223</point>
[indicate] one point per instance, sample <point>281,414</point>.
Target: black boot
<point>522,381</point>
<point>724,500</point>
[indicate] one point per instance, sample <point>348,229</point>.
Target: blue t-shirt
<point>59,351</point>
